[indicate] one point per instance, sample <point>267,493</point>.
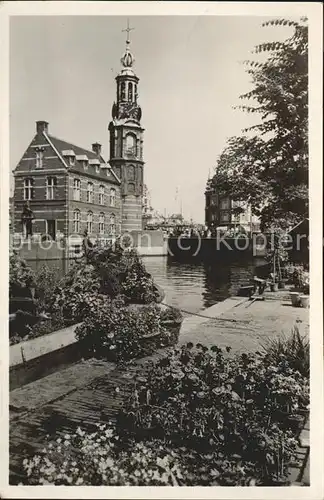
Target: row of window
<point>29,192</point>
<point>90,194</point>
<point>102,223</point>
<point>51,183</point>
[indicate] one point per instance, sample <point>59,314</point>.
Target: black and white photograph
<point>161,207</point>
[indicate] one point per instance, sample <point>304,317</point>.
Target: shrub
<point>75,292</point>
<point>292,349</point>
<point>21,275</point>
<point>113,330</point>
<point>297,276</point>
<point>232,407</point>
<point>106,272</point>
<point>46,281</point>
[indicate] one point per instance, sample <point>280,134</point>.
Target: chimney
<point>96,148</point>
<point>41,126</point>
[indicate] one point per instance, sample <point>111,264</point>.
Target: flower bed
<point>105,273</point>
<point>241,411</point>
<point>115,331</point>
<point>197,417</point>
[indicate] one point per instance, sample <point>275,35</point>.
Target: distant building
<point>64,189</point>
<point>147,210</point>
<point>220,212</point>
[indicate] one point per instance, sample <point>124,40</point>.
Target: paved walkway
<point>245,325</point>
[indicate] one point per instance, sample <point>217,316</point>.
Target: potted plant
<point>273,286</point>
<point>295,299</point>
<point>304,301</point>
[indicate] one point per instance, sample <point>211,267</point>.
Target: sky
<point>63,69</point>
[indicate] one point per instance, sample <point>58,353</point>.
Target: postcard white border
<point>314,12</point>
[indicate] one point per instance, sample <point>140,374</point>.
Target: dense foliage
<point>113,330</point>
<point>298,276</point>
<point>197,417</point>
<point>242,409</point>
<point>21,276</point>
<point>268,168</point>
<point>29,307</point>
<point>98,458</point>
<point>106,272</point>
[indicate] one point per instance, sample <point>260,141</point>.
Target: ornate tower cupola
<point>126,141</point>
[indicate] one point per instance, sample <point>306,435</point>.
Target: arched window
<point>101,195</point>
<point>28,189</point>
<point>51,183</point>
<point>89,222</point>
<point>76,221</point>
<point>112,197</point>
<point>112,224</point>
<point>131,149</point>
<point>135,92</point>
<point>131,188</point>
<point>130,91</point>
<point>101,223</point>
<point>131,173</point>
<point>77,189</point>
<point>90,192</point>
<point>123,91</point>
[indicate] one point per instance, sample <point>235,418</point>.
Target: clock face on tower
<point>131,110</point>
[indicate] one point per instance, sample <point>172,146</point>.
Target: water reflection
<point>193,287</point>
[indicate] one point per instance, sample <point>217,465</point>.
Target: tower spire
<point>128,59</point>
<point>127,30</point>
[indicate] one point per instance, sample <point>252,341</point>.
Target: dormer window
<point>70,156</point>
<point>98,169</point>
<point>83,161</point>
<point>39,158</point>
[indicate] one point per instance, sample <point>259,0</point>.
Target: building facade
<point>68,189</point>
<point>64,190</point>
<point>220,212</point>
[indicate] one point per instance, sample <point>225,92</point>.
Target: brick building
<point>220,212</point>
<point>68,189</point>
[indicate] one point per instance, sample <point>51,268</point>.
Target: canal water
<point>190,286</point>
<point>196,286</point>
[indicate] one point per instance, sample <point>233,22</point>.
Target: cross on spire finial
<point>127,30</point>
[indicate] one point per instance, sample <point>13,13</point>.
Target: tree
<point>269,166</point>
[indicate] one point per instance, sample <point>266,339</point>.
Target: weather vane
<point>128,29</point>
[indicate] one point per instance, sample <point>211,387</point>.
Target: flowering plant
<point>113,330</point>
<point>20,275</point>
<point>96,458</point>
<point>207,400</point>
<point>298,276</point>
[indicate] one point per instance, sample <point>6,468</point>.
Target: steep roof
<point>64,145</point>
<point>61,145</point>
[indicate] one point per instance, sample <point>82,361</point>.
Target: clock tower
<point>126,142</point>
